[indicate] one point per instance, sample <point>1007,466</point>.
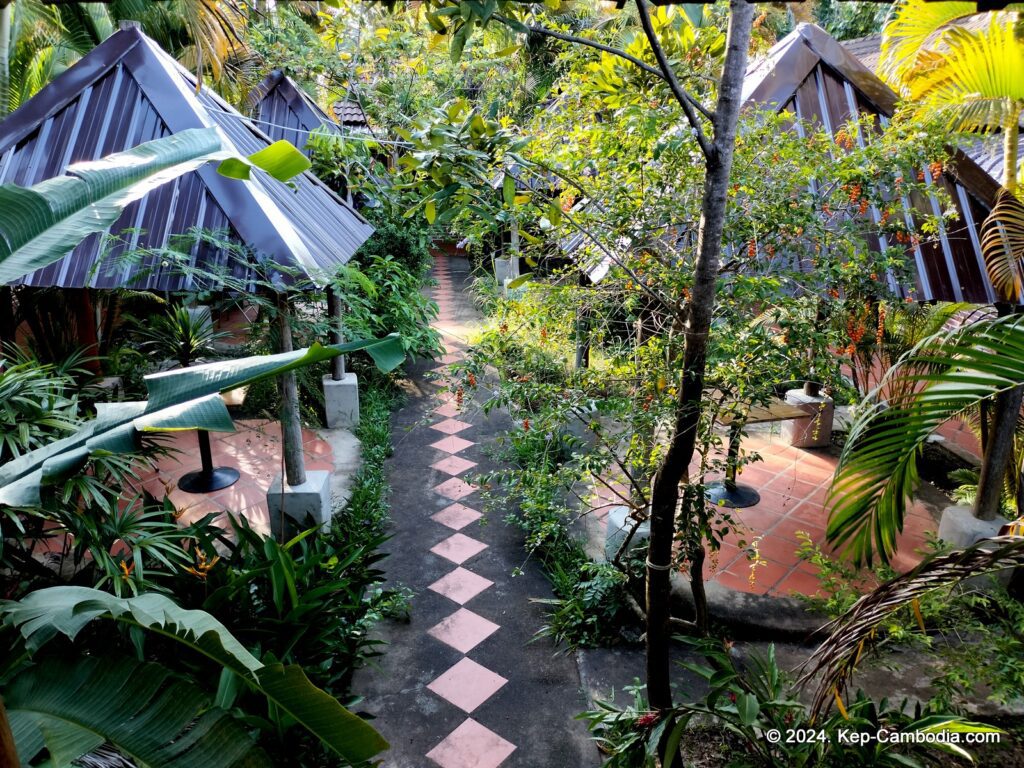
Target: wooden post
<point>334,313</point>
<point>291,425</point>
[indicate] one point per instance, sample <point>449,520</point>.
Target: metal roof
<point>128,91</point>
<point>284,110</point>
<point>813,76</point>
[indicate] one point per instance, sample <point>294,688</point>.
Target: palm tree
<point>972,75</point>
<point>947,376</point>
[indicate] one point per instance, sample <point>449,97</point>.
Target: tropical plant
<point>386,296</point>
<point>187,398</point>
<point>47,613</point>
<point>972,80</point>
<point>184,334</point>
<point>37,404</point>
<point>39,40</point>
<point>755,703</point>
<point>39,225</point>
<point>945,376</point>
<point>829,670</point>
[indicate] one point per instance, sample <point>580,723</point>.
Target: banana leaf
<point>71,707</point>
<point>45,613</point>
<point>187,398</point>
<point>39,225</point>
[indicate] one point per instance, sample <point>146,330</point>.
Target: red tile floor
<point>254,449</point>
<point>793,484</point>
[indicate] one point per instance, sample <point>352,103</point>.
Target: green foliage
<point>972,633</point>
<point>946,375</point>
<point>187,398</point>
<point>847,20</point>
<point>400,239</point>
<point>62,708</point>
<point>183,334</point>
<point>38,404</point>
<point>388,295</point>
<point>46,613</point>
<point>754,699</point>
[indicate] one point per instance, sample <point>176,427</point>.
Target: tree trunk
<point>996,461</point>
<point>1011,138</point>
<point>6,10</point>
<point>8,753</point>
<point>291,424</point>
<point>675,467</point>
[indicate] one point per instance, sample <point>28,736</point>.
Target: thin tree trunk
<point>291,425</point>
<point>675,467</point>
<point>1011,138</point>
<point>8,753</point>
<point>1006,410</point>
<point>6,10</point>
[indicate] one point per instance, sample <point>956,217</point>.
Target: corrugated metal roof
<point>127,91</point>
<point>815,77</point>
<point>285,111</point>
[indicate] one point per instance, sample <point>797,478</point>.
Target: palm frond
<point>1002,243</point>
<point>976,79</point>
<point>907,31</point>
<point>942,378</point>
<point>835,660</point>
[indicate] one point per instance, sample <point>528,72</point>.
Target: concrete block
<point>960,528</point>
<point>816,430</point>
<point>304,506</point>
<point>503,272</point>
<point>341,401</point>
<point>619,526</point>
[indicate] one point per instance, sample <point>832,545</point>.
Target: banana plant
<point>66,706</point>
<point>41,224</point>
<point>182,399</point>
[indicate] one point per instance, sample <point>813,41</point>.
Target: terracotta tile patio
<point>793,484</point>
<point>254,449</point>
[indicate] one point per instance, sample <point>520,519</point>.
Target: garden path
<point>464,683</point>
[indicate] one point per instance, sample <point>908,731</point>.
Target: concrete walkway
<point>464,684</point>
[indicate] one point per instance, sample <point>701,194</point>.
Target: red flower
<point>526,425</point>
<point>647,720</point>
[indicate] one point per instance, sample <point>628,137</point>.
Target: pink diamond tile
<point>458,548</point>
<point>460,585</point>
<point>467,685</point>
<point>452,444</point>
<point>456,516</point>
<point>450,426</point>
<point>463,630</point>
<point>471,745</point>
<point>453,465</point>
<point>453,488</point>
<point>450,358</point>
<point>449,410</point>
<point>442,371</point>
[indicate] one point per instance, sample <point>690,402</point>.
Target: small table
<point>207,478</point>
<point>727,492</point>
